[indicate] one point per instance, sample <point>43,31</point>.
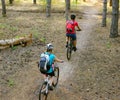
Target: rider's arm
<point>58,60</point>
<point>79,29</point>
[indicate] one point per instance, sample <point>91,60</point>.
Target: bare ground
<point>93,73</point>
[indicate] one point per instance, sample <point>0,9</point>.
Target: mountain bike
<point>44,90</point>
<point>69,48</point>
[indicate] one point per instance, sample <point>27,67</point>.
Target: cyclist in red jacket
<point>70,31</point>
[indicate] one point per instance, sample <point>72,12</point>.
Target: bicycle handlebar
<point>79,30</point>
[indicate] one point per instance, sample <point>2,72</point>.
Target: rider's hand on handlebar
<point>62,61</point>
<point>79,30</point>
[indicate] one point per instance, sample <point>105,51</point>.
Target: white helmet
<point>49,46</point>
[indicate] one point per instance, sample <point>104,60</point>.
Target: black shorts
<point>51,74</point>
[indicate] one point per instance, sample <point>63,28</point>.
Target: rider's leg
<point>45,76</point>
<point>74,42</point>
<point>67,39</point>
<point>51,81</point>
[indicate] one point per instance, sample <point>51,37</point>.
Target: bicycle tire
<point>56,76</point>
<point>69,51</point>
<point>42,93</point>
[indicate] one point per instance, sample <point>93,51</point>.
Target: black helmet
<point>49,46</point>
<point>73,16</point>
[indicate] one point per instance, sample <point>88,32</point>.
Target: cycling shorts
<point>51,74</point>
<point>73,36</point>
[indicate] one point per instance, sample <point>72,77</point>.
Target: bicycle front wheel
<point>56,77</point>
<point>43,93</point>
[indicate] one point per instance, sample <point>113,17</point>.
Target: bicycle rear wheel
<point>56,77</point>
<point>42,93</point>
<point>69,51</point>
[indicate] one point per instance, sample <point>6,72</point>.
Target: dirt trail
<point>87,23</point>
<point>67,76</point>
<point>81,78</point>
<point>29,80</point>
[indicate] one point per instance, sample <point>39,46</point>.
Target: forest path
<point>87,23</point>
<point>29,80</point>
<point>68,76</point>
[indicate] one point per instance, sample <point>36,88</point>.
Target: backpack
<point>44,63</point>
<point>70,26</point>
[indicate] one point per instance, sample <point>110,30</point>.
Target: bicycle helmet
<point>49,46</point>
<point>73,17</point>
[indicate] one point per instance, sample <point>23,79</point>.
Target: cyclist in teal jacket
<point>52,59</point>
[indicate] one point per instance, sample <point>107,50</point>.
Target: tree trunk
<point>34,1</point>
<point>48,8</point>
<point>68,5</point>
<point>10,1</point>
<point>67,9</point>
<point>115,18</point>
<point>110,2</point>
<point>3,8</point>
<point>104,13</point>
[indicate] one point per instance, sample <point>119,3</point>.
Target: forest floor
<point>93,73</point>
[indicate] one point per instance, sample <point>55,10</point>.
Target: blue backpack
<point>44,63</point>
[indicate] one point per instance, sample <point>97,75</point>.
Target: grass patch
<point>43,40</point>
<point>11,83</point>
<point>108,45</point>
<point>17,37</point>
<point>13,47</point>
<point>13,29</point>
<point>3,26</point>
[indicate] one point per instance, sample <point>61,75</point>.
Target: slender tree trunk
<point>34,1</point>
<point>69,5</point>
<point>67,9</point>
<point>48,8</point>
<point>110,3</point>
<point>115,18</point>
<point>3,8</point>
<point>104,13</point>
<point>10,1</point>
